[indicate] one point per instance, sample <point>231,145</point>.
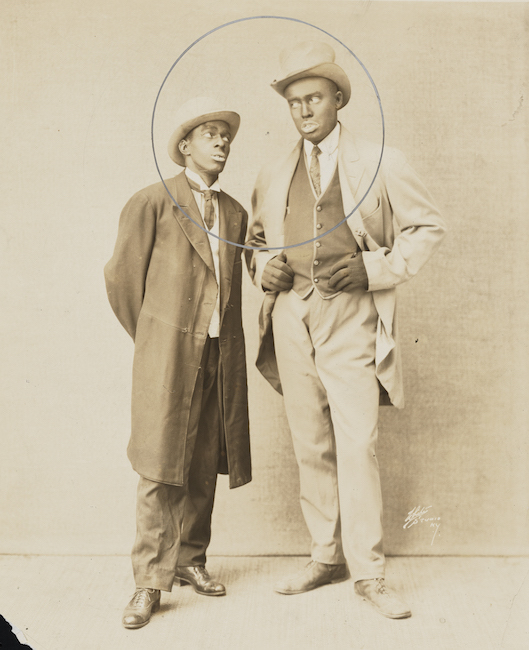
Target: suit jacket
<point>396,225</point>
<point>161,285</point>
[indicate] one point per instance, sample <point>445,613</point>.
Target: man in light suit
<point>328,328</point>
<point>174,282</point>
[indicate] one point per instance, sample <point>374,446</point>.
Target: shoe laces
<point>202,572</point>
<point>140,598</point>
<point>381,587</point>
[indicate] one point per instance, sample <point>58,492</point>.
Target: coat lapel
<point>230,231</point>
<point>276,200</point>
<point>197,236</point>
<point>351,170</point>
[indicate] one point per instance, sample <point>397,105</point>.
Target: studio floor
<point>75,603</point>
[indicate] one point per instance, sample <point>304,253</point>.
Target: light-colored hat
<point>311,59</point>
<point>195,112</point>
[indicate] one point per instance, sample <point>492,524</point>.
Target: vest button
<point>316,280</point>
<point>318,226</point>
<point>318,208</point>
<point>318,244</point>
<point>316,262</point>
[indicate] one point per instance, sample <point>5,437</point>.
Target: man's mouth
<point>219,157</point>
<point>309,127</point>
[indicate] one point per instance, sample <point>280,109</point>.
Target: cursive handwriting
<point>417,516</point>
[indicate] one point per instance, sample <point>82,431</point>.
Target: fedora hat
<point>311,59</point>
<point>195,112</point>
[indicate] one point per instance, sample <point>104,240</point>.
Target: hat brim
<point>231,118</point>
<point>330,71</point>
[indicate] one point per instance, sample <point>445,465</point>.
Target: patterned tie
<point>314,170</point>
<point>209,208</point>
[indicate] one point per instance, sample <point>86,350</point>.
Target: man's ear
<point>183,146</point>
<point>339,99</point>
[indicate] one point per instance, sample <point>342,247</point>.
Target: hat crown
<point>304,55</point>
<point>197,107</point>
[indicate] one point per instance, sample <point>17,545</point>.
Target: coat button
<point>316,280</point>
<point>318,226</point>
<point>316,262</point>
<point>318,244</point>
<point>318,208</point>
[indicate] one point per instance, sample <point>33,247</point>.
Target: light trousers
<point>173,523</point>
<point>326,357</point>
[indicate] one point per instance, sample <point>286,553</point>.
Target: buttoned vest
<point>308,217</point>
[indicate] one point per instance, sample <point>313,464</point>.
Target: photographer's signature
<point>418,516</point>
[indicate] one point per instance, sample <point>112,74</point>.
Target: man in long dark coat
<point>174,282</point>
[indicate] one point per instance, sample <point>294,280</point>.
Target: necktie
<point>314,170</point>
<point>209,208</point>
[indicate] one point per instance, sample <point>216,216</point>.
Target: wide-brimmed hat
<point>195,112</point>
<point>311,59</point>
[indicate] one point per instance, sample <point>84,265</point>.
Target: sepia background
<point>79,83</point>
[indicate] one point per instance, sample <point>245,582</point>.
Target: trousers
<point>173,523</point>
<point>325,351</point>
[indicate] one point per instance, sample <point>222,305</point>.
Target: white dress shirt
<point>327,158</point>
<point>214,326</point>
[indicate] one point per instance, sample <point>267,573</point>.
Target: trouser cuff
<point>368,575</point>
<point>328,559</point>
<point>162,580</point>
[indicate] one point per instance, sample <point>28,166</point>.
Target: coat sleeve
<point>126,271</point>
<point>420,227</point>
<point>256,260</point>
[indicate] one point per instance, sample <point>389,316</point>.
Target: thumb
<point>282,257</point>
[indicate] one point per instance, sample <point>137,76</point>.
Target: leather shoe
<point>382,599</point>
<point>315,574</point>
<point>138,612</point>
<point>199,578</point>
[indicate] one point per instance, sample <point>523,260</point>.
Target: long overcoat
<point>161,285</point>
<point>392,218</point>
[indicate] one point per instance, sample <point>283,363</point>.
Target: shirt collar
<point>198,180</point>
<point>327,145</point>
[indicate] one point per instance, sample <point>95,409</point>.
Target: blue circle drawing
<point>303,22</point>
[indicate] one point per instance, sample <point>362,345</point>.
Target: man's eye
<point>294,104</point>
<point>208,134</point>
<point>315,100</point>
<point>226,138</point>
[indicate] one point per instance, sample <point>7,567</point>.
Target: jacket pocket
<point>371,209</point>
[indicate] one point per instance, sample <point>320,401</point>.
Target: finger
<point>275,263</point>
<point>273,285</point>
<point>273,276</point>
<point>283,279</point>
<point>338,267</point>
<point>344,284</point>
<point>285,268</point>
<point>279,285</point>
<point>337,277</point>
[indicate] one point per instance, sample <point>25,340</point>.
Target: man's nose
<point>305,109</point>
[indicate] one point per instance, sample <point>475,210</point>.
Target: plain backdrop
<point>79,84</point>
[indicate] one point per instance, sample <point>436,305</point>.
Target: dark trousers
<point>173,523</point>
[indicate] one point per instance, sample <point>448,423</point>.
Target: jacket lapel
<point>189,210</point>
<point>276,200</point>
<point>350,171</point>
<point>230,224</point>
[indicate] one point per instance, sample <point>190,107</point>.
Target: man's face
<point>207,147</point>
<point>314,104</point>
